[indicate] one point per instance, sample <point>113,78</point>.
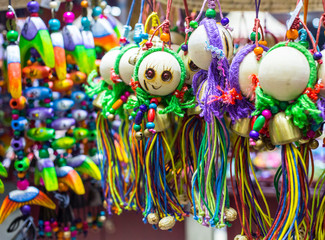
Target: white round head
<point>106,64</point>
<point>321,75</point>
<point>197,46</point>
<point>284,73</point>
<point>159,73</point>
<point>176,38</point>
<point>125,68</point>
<point>190,67</point>
<point>248,66</point>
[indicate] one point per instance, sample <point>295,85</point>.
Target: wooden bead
<point>292,34</point>
<point>164,37</point>
<point>258,51</point>
<point>117,104</point>
<point>152,31</point>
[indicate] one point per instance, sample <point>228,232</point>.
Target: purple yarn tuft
<point>321,106</point>
<point>243,108</point>
<point>213,76</point>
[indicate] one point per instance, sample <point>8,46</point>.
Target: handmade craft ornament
<point>107,63</point>
<point>321,75</point>
<point>14,69</point>
<point>284,73</point>
<point>159,73</point>
<point>201,51</point>
<point>34,34</point>
<point>3,173</point>
<point>190,66</point>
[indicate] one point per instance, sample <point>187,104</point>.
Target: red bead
<point>154,100</point>
<point>149,44</point>
<point>151,115</point>
<point>122,40</point>
<point>15,116</point>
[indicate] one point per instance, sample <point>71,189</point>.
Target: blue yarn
<point>141,11</point>
<point>130,13</point>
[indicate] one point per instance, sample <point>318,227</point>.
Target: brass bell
<point>259,145</point>
<point>282,130</point>
<point>197,110</point>
<point>162,121</point>
<point>242,127</point>
<point>98,101</point>
<point>313,144</point>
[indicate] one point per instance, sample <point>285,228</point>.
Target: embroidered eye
<point>150,73</point>
<point>166,76</point>
<point>193,67</point>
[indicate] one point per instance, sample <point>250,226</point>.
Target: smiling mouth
<point>154,87</point>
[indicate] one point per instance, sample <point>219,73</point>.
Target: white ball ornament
<point>248,66</point>
<point>321,74</point>
<point>197,46</point>
<point>159,73</point>
<point>284,73</point>
<point>125,68</point>
<point>190,67</point>
<point>53,4</point>
<point>176,38</point>
<point>106,64</point>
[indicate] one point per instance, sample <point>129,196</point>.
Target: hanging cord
<point>141,11</point>
<point>130,13</point>
<point>321,23</point>
<point>257,25</point>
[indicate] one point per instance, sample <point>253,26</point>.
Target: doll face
<point>159,73</point>
<point>107,63</point>
<point>125,68</point>
<point>191,68</point>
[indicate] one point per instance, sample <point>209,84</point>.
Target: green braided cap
<point>171,102</point>
<point>302,110</point>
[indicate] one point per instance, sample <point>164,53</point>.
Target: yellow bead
<point>164,37</point>
<point>264,43</point>
<point>84,4</point>
<point>258,50</point>
<point>292,34</point>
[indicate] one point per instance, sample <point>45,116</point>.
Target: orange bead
<point>29,63</point>
<point>258,50</point>
<point>264,43</point>
<point>21,174</point>
<point>292,34</point>
<point>84,4</point>
<point>63,187</point>
<point>164,37</point>
<point>152,31</point>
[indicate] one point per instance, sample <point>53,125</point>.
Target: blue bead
<point>33,6</point>
<point>97,11</point>
<point>153,105</point>
<point>224,21</point>
<point>85,22</point>
<point>145,35</point>
<point>150,125</point>
<point>54,24</point>
<point>317,55</point>
<point>254,134</point>
<point>143,108</point>
<point>184,47</point>
<point>137,39</point>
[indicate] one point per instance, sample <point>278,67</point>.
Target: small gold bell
<point>282,130</point>
<point>242,127</point>
<point>197,110</point>
<point>259,145</point>
<point>162,121</point>
<point>98,100</point>
<point>313,144</point>
<point>139,135</point>
<point>111,117</point>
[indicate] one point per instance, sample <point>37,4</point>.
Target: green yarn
<point>171,102</point>
<point>303,110</point>
<point>94,88</point>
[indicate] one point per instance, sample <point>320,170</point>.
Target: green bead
<point>283,105</point>
<point>39,60</point>
<point>48,234</point>
<point>253,36</point>
<point>137,127</point>
<point>112,110</point>
<point>92,152</point>
<point>43,153</point>
<point>15,111</point>
<point>17,133</point>
<point>194,24</point>
<point>12,36</point>
<point>48,121</point>
<point>259,123</point>
<point>48,106</point>
<point>210,13</point>
<point>304,43</point>
<point>98,50</point>
<point>133,114</point>
<point>274,109</point>
<point>46,85</point>
<point>61,162</point>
